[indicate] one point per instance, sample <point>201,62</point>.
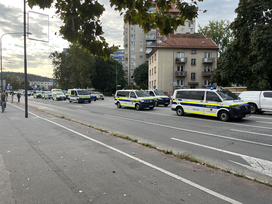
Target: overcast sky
<point>11,21</point>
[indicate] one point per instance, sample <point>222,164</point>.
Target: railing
<point>150,45</point>
<point>208,60</point>
<point>208,74</point>
<point>181,60</point>
<point>181,73</point>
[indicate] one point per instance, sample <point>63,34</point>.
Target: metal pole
<point>25,62</point>
<point>173,69</point>
<point>116,76</point>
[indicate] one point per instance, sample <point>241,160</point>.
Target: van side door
<point>212,104</point>
<point>133,98</point>
<point>196,102</point>
<point>266,100</point>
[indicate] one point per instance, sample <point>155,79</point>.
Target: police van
<point>210,102</point>
<point>137,99</point>
<point>160,97</point>
<point>78,95</point>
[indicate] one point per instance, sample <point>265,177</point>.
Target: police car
<point>210,102</point>
<point>78,95</point>
<point>134,98</point>
<point>160,97</point>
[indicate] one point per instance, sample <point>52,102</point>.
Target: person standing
<point>18,96</point>
<point>3,98</point>
<point>12,96</point>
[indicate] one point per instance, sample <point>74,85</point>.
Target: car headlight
<point>142,101</point>
<point>235,107</point>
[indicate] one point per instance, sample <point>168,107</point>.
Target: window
<point>180,68</point>
<point>193,61</point>
<point>180,55</point>
<point>151,93</point>
<point>141,35</point>
<point>155,57</point>
<point>207,69</point>
<point>180,82</point>
<point>183,94</point>
<point>126,39</point>
<point>191,29</point>
<point>154,82</point>
<point>152,71</point>
<point>207,83</point>
<point>159,35</point>
<point>133,42</point>
<point>267,94</point>
<point>193,76</point>
<point>197,95</point>
<point>126,45</point>
<point>208,55</point>
<point>141,56</point>
<point>150,61</point>
<point>212,96</point>
<point>141,42</point>
<point>141,49</point>
<point>155,70</point>
<point>193,52</point>
<point>132,95</point>
<point>132,70</point>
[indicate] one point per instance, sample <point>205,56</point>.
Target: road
<point>240,146</point>
<point>47,159</point>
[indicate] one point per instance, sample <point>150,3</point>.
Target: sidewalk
<point>44,159</point>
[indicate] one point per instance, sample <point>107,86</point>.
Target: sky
<point>44,41</point>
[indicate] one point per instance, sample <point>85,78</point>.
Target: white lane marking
<point>255,133</point>
<point>206,190</point>
<point>261,117</point>
<point>256,164</point>
<point>239,124</point>
<point>264,122</point>
<point>193,131</point>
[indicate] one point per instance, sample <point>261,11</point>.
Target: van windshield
<point>160,93</point>
<point>227,95</point>
<point>141,93</point>
<point>83,92</point>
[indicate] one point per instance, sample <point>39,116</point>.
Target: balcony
<point>181,73</point>
<point>182,60</point>
<point>208,60</point>
<point>150,45</point>
<point>150,37</point>
<point>207,74</point>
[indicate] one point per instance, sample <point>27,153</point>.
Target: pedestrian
<point>6,95</point>
<point>3,98</point>
<point>12,95</point>
<point>18,96</point>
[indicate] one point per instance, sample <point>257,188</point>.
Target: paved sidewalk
<point>44,159</point>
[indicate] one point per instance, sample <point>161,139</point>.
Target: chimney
<point>208,36</point>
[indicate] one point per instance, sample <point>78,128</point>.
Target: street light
<point>2,54</point>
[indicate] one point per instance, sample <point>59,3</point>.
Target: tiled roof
<point>193,41</point>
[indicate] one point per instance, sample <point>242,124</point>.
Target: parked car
<point>99,95</point>
<point>259,101</point>
<point>46,95</point>
<point>37,94</point>
<point>93,95</point>
<point>58,96</point>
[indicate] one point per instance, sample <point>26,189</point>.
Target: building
<point>119,56</point>
<point>41,84</point>
<point>137,44</point>
<point>184,60</point>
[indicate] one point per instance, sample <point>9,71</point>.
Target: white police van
<point>78,95</point>
<point>137,99</point>
<point>216,103</point>
<point>160,97</point>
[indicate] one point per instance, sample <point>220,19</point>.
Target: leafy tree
<point>74,68</point>
<point>105,79</point>
<point>14,81</point>
<point>220,33</point>
<point>141,74</point>
<point>247,60</point>
<point>81,19</point>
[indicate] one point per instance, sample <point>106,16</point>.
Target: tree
<point>81,19</point>
<point>73,69</point>
<point>220,33</point>
<point>105,79</point>
<point>247,60</point>
<point>141,74</point>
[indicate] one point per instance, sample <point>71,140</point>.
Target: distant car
<point>58,96</point>
<point>47,95</point>
<point>37,94</point>
<point>93,95</point>
<point>99,95</point>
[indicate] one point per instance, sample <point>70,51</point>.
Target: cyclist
<point>3,98</point>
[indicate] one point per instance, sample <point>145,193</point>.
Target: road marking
<point>193,131</point>
<point>255,133</point>
<point>202,188</point>
<point>264,122</point>
<point>258,165</point>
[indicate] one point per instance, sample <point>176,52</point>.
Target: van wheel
<point>165,105</point>
<point>224,116</point>
<point>156,103</point>
<point>89,101</point>
<point>119,105</point>
<point>151,108</point>
<point>70,101</point>
<point>137,107</point>
<point>253,108</point>
<point>179,111</point>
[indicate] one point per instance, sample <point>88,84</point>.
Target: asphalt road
<point>241,146</point>
<point>45,159</point>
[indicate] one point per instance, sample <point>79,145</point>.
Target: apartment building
<point>184,60</point>
<point>119,56</point>
<point>137,44</point>
<point>42,84</point>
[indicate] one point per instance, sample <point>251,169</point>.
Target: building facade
<point>184,60</point>
<point>119,56</point>
<point>41,84</point>
<point>137,44</point>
